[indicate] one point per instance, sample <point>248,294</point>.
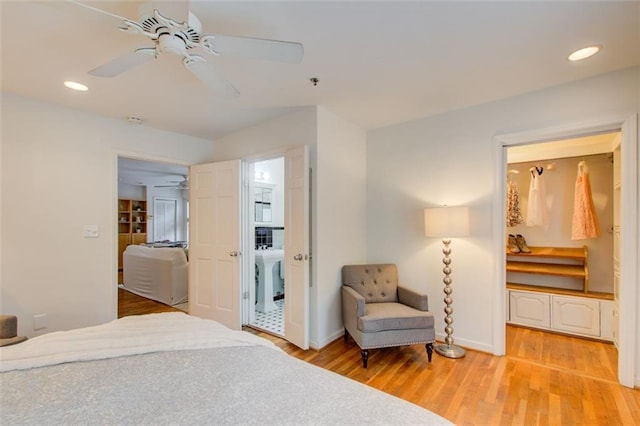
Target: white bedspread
<point>131,335</point>
<point>173,369</point>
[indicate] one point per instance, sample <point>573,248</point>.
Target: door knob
<point>234,253</point>
<point>298,256</point>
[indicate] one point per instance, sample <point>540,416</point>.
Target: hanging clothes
<point>537,214</point>
<point>585,221</point>
<point>514,216</point>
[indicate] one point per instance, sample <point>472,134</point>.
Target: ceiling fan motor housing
<point>189,33</point>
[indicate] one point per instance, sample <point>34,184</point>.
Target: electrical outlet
<point>39,322</point>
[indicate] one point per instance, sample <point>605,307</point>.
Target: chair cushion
<point>376,283</point>
<point>392,316</point>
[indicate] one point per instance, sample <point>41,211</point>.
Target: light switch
<point>91,231</point>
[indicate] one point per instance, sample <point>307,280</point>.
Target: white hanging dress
<point>537,213</point>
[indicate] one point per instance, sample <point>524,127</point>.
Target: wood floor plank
<point>544,379</point>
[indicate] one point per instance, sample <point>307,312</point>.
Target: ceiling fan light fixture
<point>584,53</point>
<point>73,85</point>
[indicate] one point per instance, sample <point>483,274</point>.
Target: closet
<point>564,280</point>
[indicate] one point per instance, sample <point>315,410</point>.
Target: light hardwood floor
<point>544,379</point>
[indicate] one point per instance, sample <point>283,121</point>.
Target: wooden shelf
<point>577,253</point>
<point>128,213</point>
<point>568,262</point>
<point>557,269</point>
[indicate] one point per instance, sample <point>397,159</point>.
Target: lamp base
<point>450,351</point>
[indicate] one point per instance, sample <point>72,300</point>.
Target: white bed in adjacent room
<point>172,368</point>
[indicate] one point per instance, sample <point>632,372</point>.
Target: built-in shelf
<point>132,226</point>
<point>569,262</point>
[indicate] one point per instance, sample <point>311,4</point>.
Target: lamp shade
<point>446,222</point>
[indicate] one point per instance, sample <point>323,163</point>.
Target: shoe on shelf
<point>513,244</point>
<point>522,244</point>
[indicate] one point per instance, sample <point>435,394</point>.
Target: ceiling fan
<point>177,184</point>
<point>182,35</point>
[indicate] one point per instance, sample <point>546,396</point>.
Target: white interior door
<point>164,219</point>
<point>214,242</point>
<point>296,247</point>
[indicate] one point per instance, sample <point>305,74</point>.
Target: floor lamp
<point>447,223</point>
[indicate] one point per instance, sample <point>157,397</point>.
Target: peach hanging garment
<point>585,220</point>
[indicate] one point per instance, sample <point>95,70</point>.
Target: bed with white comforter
<point>172,368</point>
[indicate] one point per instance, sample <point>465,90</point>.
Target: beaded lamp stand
<point>448,350</point>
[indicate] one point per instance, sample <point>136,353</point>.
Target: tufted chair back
<point>376,283</point>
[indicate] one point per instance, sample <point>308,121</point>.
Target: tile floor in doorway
<point>271,321</point>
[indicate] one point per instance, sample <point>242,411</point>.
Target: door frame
<point>248,260</point>
<point>114,209</point>
<point>629,222</point>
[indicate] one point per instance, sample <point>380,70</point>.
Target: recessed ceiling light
<point>76,86</point>
<point>584,53</point>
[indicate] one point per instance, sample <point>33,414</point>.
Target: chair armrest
<point>411,298</point>
<point>352,302</point>
<point>352,309</point>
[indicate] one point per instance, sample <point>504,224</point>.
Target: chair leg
<point>429,347</point>
<point>346,335</point>
<point>365,357</point>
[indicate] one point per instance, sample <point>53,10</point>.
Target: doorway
<point>628,242</point>
<point>266,232</point>
<point>560,277</point>
<point>140,181</point>
<point>222,264</point>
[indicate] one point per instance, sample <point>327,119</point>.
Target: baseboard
<point>330,339</point>
<point>467,344</point>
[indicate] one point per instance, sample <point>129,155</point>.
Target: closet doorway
<point>561,224</point>
<point>624,291</point>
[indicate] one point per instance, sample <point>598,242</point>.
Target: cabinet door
<point>138,238</point>
<point>575,315</point>
<point>530,309</point>
<point>123,241</point>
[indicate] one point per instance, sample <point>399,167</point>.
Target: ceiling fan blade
<point>254,48</point>
<point>124,63</point>
<point>95,9</point>
<point>177,10</point>
<point>205,73</point>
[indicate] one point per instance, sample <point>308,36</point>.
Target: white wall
<point>448,159</point>
<point>59,172</point>
<point>297,128</point>
<point>340,216</point>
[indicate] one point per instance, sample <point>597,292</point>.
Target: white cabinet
<point>575,315</point>
<point>581,316</point>
<point>530,309</point>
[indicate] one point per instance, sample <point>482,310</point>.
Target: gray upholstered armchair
<point>377,312</point>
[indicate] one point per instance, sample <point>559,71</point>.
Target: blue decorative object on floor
<point>272,321</point>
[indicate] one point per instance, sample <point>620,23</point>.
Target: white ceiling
<point>149,173</point>
<point>379,63</point>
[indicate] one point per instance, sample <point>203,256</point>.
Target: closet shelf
<point>571,271</point>
<point>579,253</point>
<point>549,261</point>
